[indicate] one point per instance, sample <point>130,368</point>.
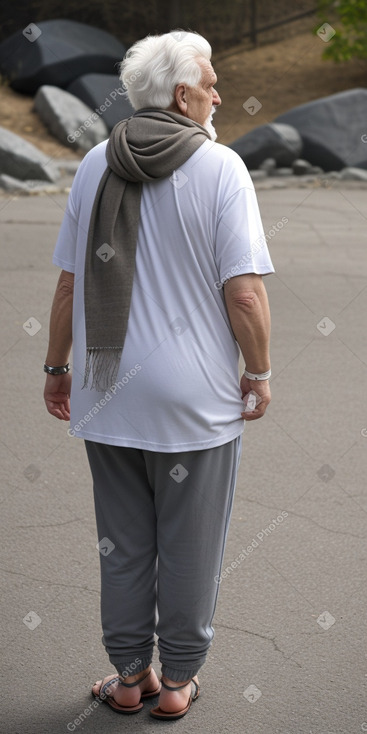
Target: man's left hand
<point>257,392</point>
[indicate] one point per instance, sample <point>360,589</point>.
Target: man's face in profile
<point>202,100</point>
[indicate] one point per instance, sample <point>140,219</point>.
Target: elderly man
<point>162,254</point>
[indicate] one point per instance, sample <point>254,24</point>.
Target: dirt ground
<point>280,75</point>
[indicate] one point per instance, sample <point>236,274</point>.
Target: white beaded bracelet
<point>262,376</point>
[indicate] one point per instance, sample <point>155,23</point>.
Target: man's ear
<point>181,99</point>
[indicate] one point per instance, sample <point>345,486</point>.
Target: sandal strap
<point>136,682</point>
<point>175,688</point>
<point>104,688</point>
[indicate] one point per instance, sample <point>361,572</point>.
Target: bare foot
<point>174,701</point>
<point>128,696</point>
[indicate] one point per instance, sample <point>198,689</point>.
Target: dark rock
<point>268,164</point>
<point>22,160</point>
<point>8,183</point>
<point>104,94</point>
<point>285,171</point>
<point>315,170</point>
<point>67,166</point>
<point>353,174</point>
<point>258,174</point>
<point>268,141</point>
<point>301,167</point>
<point>333,175</point>
<point>69,119</point>
<point>333,129</point>
<point>56,52</point>
<point>292,137</point>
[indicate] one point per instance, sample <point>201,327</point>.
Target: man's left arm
<point>58,387</point>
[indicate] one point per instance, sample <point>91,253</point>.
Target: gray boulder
<point>258,175</point>
<point>8,183</point>
<point>67,166</point>
<point>56,52</point>
<point>103,92</point>
<point>353,174</point>
<point>282,171</point>
<point>333,129</point>
<point>301,167</point>
<point>268,165</point>
<point>316,170</point>
<point>22,160</point>
<point>281,142</point>
<point>69,119</point>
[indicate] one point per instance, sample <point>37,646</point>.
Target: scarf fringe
<point>102,366</point>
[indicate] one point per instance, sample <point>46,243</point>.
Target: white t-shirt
<point>178,387</point>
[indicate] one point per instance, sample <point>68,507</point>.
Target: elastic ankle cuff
<point>179,675</point>
<point>132,667</point>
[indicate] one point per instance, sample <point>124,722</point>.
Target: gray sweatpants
<point>162,522</point>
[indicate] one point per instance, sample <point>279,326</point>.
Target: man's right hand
<point>57,395</point>
<point>261,391</point>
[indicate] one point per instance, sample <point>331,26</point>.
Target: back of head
<point>152,67</point>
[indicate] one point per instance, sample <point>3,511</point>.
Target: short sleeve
<point>241,245</point>
<point>65,248</point>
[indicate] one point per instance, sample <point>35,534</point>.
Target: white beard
<point>209,127</point>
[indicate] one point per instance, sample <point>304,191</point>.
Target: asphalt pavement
<point>289,654</point>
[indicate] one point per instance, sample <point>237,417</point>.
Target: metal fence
<point>227,24</point>
<point>223,23</point>
<point>256,27</point>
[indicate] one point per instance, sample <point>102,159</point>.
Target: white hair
<point>152,67</point>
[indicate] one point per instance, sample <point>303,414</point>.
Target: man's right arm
<point>57,387</point>
<point>249,314</point>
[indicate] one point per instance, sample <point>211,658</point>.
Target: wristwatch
<point>56,370</point>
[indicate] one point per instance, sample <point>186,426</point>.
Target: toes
<point>97,687</point>
<point>99,684</point>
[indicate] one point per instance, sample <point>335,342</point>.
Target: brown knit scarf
<point>148,146</point>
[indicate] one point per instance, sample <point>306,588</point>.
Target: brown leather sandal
<point>158,713</point>
<point>104,697</point>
